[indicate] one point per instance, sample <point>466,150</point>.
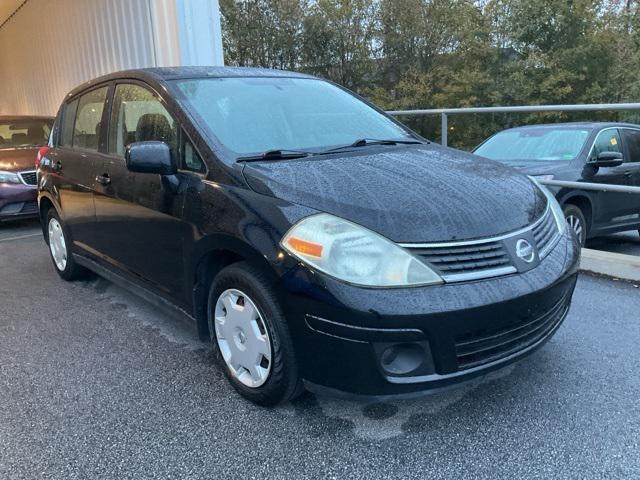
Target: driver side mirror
<point>609,159</point>
<point>150,157</point>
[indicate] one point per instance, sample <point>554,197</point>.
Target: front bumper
<point>401,341</point>
<point>18,201</point>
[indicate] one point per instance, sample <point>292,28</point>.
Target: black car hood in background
<point>545,168</point>
<point>417,193</point>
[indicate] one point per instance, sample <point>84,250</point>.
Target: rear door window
<point>606,141</point>
<point>632,141</point>
<point>86,131</point>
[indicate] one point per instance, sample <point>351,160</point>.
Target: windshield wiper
<point>286,154</point>
<point>365,142</point>
<point>280,154</point>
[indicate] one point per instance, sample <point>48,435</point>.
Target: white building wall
<point>49,47</point>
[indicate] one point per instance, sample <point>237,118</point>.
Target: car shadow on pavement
<point>369,421</point>
<point>384,420</point>
<point>627,243</point>
<point>17,229</point>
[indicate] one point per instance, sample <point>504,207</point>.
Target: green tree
<point>405,54</point>
<point>263,33</point>
<point>339,40</point>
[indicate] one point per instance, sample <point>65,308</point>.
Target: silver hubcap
<point>57,244</point>
<point>243,338</point>
<point>576,225</point>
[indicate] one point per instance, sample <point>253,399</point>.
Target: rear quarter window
<point>68,120</point>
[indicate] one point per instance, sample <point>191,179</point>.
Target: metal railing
<point>600,187</point>
<point>445,112</point>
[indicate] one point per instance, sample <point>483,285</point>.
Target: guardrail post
<point>444,127</point>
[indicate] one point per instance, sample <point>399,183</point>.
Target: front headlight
<point>9,177</point>
<point>556,209</point>
<point>353,254</point>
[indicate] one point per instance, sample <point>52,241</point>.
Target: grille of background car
<point>29,178</point>
<point>19,208</point>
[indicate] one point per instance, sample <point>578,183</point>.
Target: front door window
<point>607,141</point>
<point>139,116</point>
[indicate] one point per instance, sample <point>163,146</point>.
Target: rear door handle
<point>103,180</point>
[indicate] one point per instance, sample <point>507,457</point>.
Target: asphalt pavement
<point>96,383</point>
<point>627,243</point>
<point>19,230</point>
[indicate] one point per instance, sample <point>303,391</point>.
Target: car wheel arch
<point>584,203</point>
<point>212,255</point>
<point>44,206</point>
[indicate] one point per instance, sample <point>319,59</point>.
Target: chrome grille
<point>546,234</point>
<point>488,257</point>
<point>29,178</point>
<point>466,262</point>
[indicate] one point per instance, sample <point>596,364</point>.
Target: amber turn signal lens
<point>305,248</point>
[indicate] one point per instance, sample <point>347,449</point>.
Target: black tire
<point>577,223</point>
<point>72,271</point>
<point>283,383</point>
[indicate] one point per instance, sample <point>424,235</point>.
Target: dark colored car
<point>314,239</point>
<point>20,139</point>
<point>607,153</point>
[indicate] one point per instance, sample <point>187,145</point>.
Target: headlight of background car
<point>353,254</point>
<point>9,177</point>
<point>556,209</point>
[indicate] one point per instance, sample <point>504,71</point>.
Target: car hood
<point>412,194</point>
<point>540,168</point>
<point>17,159</point>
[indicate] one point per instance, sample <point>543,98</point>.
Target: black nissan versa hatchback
<point>314,240</point>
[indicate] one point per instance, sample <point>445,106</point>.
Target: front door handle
<point>103,180</point>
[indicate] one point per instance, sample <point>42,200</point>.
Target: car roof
<point>171,73</point>
<point>156,76</point>
<point>589,125</point>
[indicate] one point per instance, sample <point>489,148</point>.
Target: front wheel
<point>61,256</point>
<point>577,222</point>
<point>251,337</point>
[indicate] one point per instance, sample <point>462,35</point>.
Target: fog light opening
<point>402,358</point>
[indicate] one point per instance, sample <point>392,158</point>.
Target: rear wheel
<point>251,337</point>
<point>577,222</point>
<point>61,256</point>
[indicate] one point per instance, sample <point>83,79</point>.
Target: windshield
<point>24,133</point>
<point>253,115</point>
<point>533,144</point>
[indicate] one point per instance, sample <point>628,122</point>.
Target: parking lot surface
<point>95,383</point>
<point>625,242</point>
